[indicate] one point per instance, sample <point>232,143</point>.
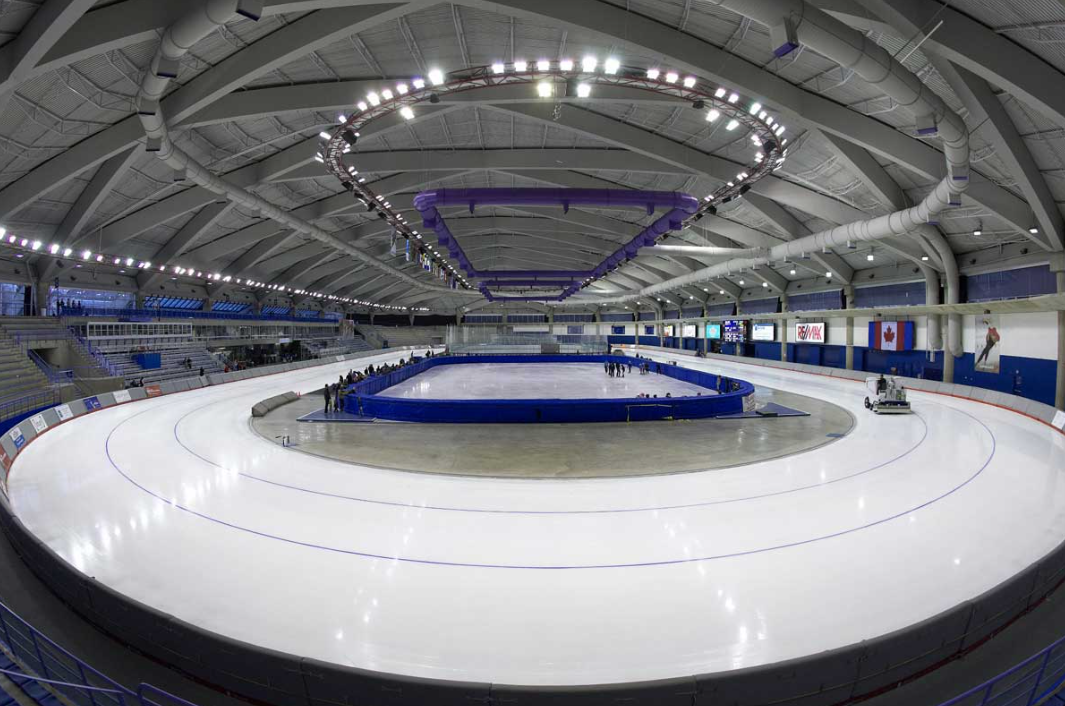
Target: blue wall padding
<point>1032,378</point>
<point>902,294</point>
<point>1009,284</point>
<point>364,397</point>
<point>148,361</point>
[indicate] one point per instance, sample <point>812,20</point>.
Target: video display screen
<point>713,332</point>
<point>734,331</point>
<point>764,332</point>
<point>688,330</point>
<point>669,331</point>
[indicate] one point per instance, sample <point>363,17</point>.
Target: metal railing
<point>150,314</point>
<point>16,405</point>
<point>55,375</point>
<point>45,662</point>
<point>87,349</point>
<point>1029,683</point>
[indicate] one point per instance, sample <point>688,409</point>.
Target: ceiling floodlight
<point>755,107</point>
<point>543,65</point>
<point>713,115</point>
<point>672,77</point>
<point>588,64</point>
<point>498,67</point>
<point>611,66</point>
<point>406,112</point>
<point>583,90</point>
<point>436,77</point>
<point>361,105</point>
<point>653,74</point>
<point>66,252</point>
<point>544,89</point>
<point>732,124</point>
<point>418,84</point>
<point>373,98</point>
<point>734,97</point>
<point>402,89</point>
<point>325,135</point>
<point>689,82</point>
<point>565,65</point>
<point>521,66</point>
<point>720,93</point>
<point>386,94</point>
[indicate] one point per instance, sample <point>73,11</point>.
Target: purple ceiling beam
<point>681,207</point>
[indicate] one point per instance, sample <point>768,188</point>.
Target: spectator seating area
<point>172,356</point>
<point>19,376</point>
<point>320,347</point>
<point>403,335</point>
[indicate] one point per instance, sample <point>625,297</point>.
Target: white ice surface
<point>532,381</point>
<point>546,581</point>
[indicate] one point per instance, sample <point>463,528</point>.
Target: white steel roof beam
<point>276,49</point>
<point>795,104</point>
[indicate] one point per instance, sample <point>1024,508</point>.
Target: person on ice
<point>328,398</point>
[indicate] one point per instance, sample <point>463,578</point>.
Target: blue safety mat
<point>771,410</point>
<point>319,415</point>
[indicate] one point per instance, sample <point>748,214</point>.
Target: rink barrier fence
<point>365,399</point>
<point>832,677</point>
<point>261,409</point>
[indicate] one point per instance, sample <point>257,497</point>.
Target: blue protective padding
<point>148,361</point>
<point>364,399</point>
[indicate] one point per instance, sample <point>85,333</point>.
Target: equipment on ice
<point>889,396</point>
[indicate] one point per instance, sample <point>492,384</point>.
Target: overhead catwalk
<point>177,503</point>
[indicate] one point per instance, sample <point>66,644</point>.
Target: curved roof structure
<point>249,100</point>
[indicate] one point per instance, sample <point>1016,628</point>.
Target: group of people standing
<point>616,369</point>
<point>334,394</point>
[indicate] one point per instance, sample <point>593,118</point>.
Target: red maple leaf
<point>889,334</point>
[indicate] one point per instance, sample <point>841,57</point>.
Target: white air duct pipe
<point>850,48</point>
<point>176,41</point>
<point>710,250</point>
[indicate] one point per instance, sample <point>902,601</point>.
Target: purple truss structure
<point>681,207</point>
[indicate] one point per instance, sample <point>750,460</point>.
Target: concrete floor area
<point>564,450</point>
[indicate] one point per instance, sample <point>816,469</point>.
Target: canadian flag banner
<point>891,335</point>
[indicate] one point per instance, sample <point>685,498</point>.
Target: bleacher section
<point>172,356</point>
<point>391,336</point>
<point>18,374</point>
<point>321,347</point>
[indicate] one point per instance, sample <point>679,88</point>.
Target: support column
<point>948,365</point>
<point>1059,390</point>
<point>848,295</point>
<point>785,325</point>
<point>458,318</point>
<point>410,317</point>
<point>41,289</point>
<point>738,347</point>
<point>138,299</point>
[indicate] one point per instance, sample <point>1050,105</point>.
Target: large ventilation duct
<point>852,49</point>
<point>176,41</point>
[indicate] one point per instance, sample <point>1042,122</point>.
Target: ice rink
<point>177,503</point>
<point>534,381</point>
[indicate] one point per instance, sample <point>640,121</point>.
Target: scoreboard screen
<point>734,331</point>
